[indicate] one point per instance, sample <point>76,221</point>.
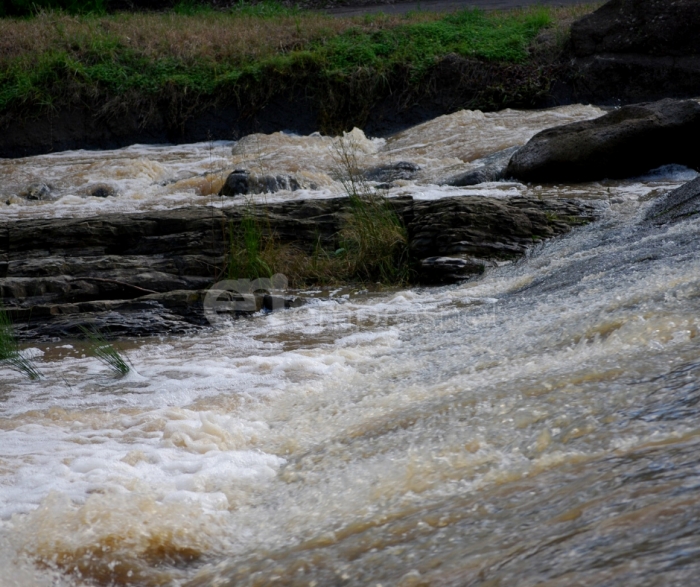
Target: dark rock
<point>147,273</point>
<point>435,270</point>
<point>634,50</point>
<point>647,27</point>
<point>392,172</point>
<point>492,168</point>
<point>269,184</point>
<point>102,190</point>
<point>36,191</point>
<point>681,203</point>
<point>477,230</point>
<point>236,183</point>
<point>622,143</point>
<point>241,182</point>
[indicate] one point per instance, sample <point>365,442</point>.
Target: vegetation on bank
<point>247,55</point>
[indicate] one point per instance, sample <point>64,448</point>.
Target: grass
<point>371,247</point>
<point>371,244</point>
<point>9,349</point>
<point>103,350</point>
<point>374,242</point>
<point>251,253</point>
<point>55,60</point>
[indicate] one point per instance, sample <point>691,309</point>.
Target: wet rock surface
<point>389,173</point>
<point>492,168</point>
<point>676,205</point>
<point>623,143</point>
<point>241,182</point>
<point>481,231</point>
<point>634,50</point>
<point>147,273</point>
<point>37,192</point>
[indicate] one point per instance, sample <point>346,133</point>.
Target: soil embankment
<point>603,63</point>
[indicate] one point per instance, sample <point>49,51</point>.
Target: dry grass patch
<point>225,37</point>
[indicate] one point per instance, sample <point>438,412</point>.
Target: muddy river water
<point>537,426</point>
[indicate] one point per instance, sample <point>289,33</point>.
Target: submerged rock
<point>492,168</point>
<point>37,192</point>
<point>450,269</point>
<point>679,204</point>
<point>622,143</point>
<point>241,182</point>
<point>392,172</point>
<point>102,190</point>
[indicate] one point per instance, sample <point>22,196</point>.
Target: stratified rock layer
<point>146,273</point>
<point>679,204</point>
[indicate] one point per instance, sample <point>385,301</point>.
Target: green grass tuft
<point>9,349</point>
<point>250,253</point>
<point>103,350</point>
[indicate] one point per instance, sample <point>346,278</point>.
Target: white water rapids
<point>540,425</point>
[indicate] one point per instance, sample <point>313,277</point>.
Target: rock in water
<point>676,205</point>
<point>622,143</point>
<point>37,191</point>
<point>241,182</point>
<point>102,190</point>
<point>392,172</point>
<point>492,169</point>
<point>236,184</point>
<point>634,50</point>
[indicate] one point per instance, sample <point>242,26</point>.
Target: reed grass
<point>105,352</point>
<point>374,240</point>
<point>371,243</point>
<point>10,354</point>
<point>251,253</point>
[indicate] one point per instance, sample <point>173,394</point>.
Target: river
<point>537,426</point>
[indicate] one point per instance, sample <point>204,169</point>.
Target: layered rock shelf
<point>147,273</point>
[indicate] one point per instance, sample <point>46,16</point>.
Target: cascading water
<point>536,426</point>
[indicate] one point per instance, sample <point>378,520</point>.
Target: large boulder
<point>634,50</point>
<point>623,143</point>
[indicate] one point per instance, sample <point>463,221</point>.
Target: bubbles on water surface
<point>531,426</point>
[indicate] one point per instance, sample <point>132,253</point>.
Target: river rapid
<point>537,426</point>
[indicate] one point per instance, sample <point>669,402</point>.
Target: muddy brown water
<point>538,426</point>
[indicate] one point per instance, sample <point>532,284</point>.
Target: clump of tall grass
<point>104,351</point>
<point>251,252</point>
<point>374,240</point>
<point>10,354</point>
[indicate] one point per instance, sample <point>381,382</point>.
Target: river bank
<point>102,82</point>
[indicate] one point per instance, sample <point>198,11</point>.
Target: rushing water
<point>537,426</point>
